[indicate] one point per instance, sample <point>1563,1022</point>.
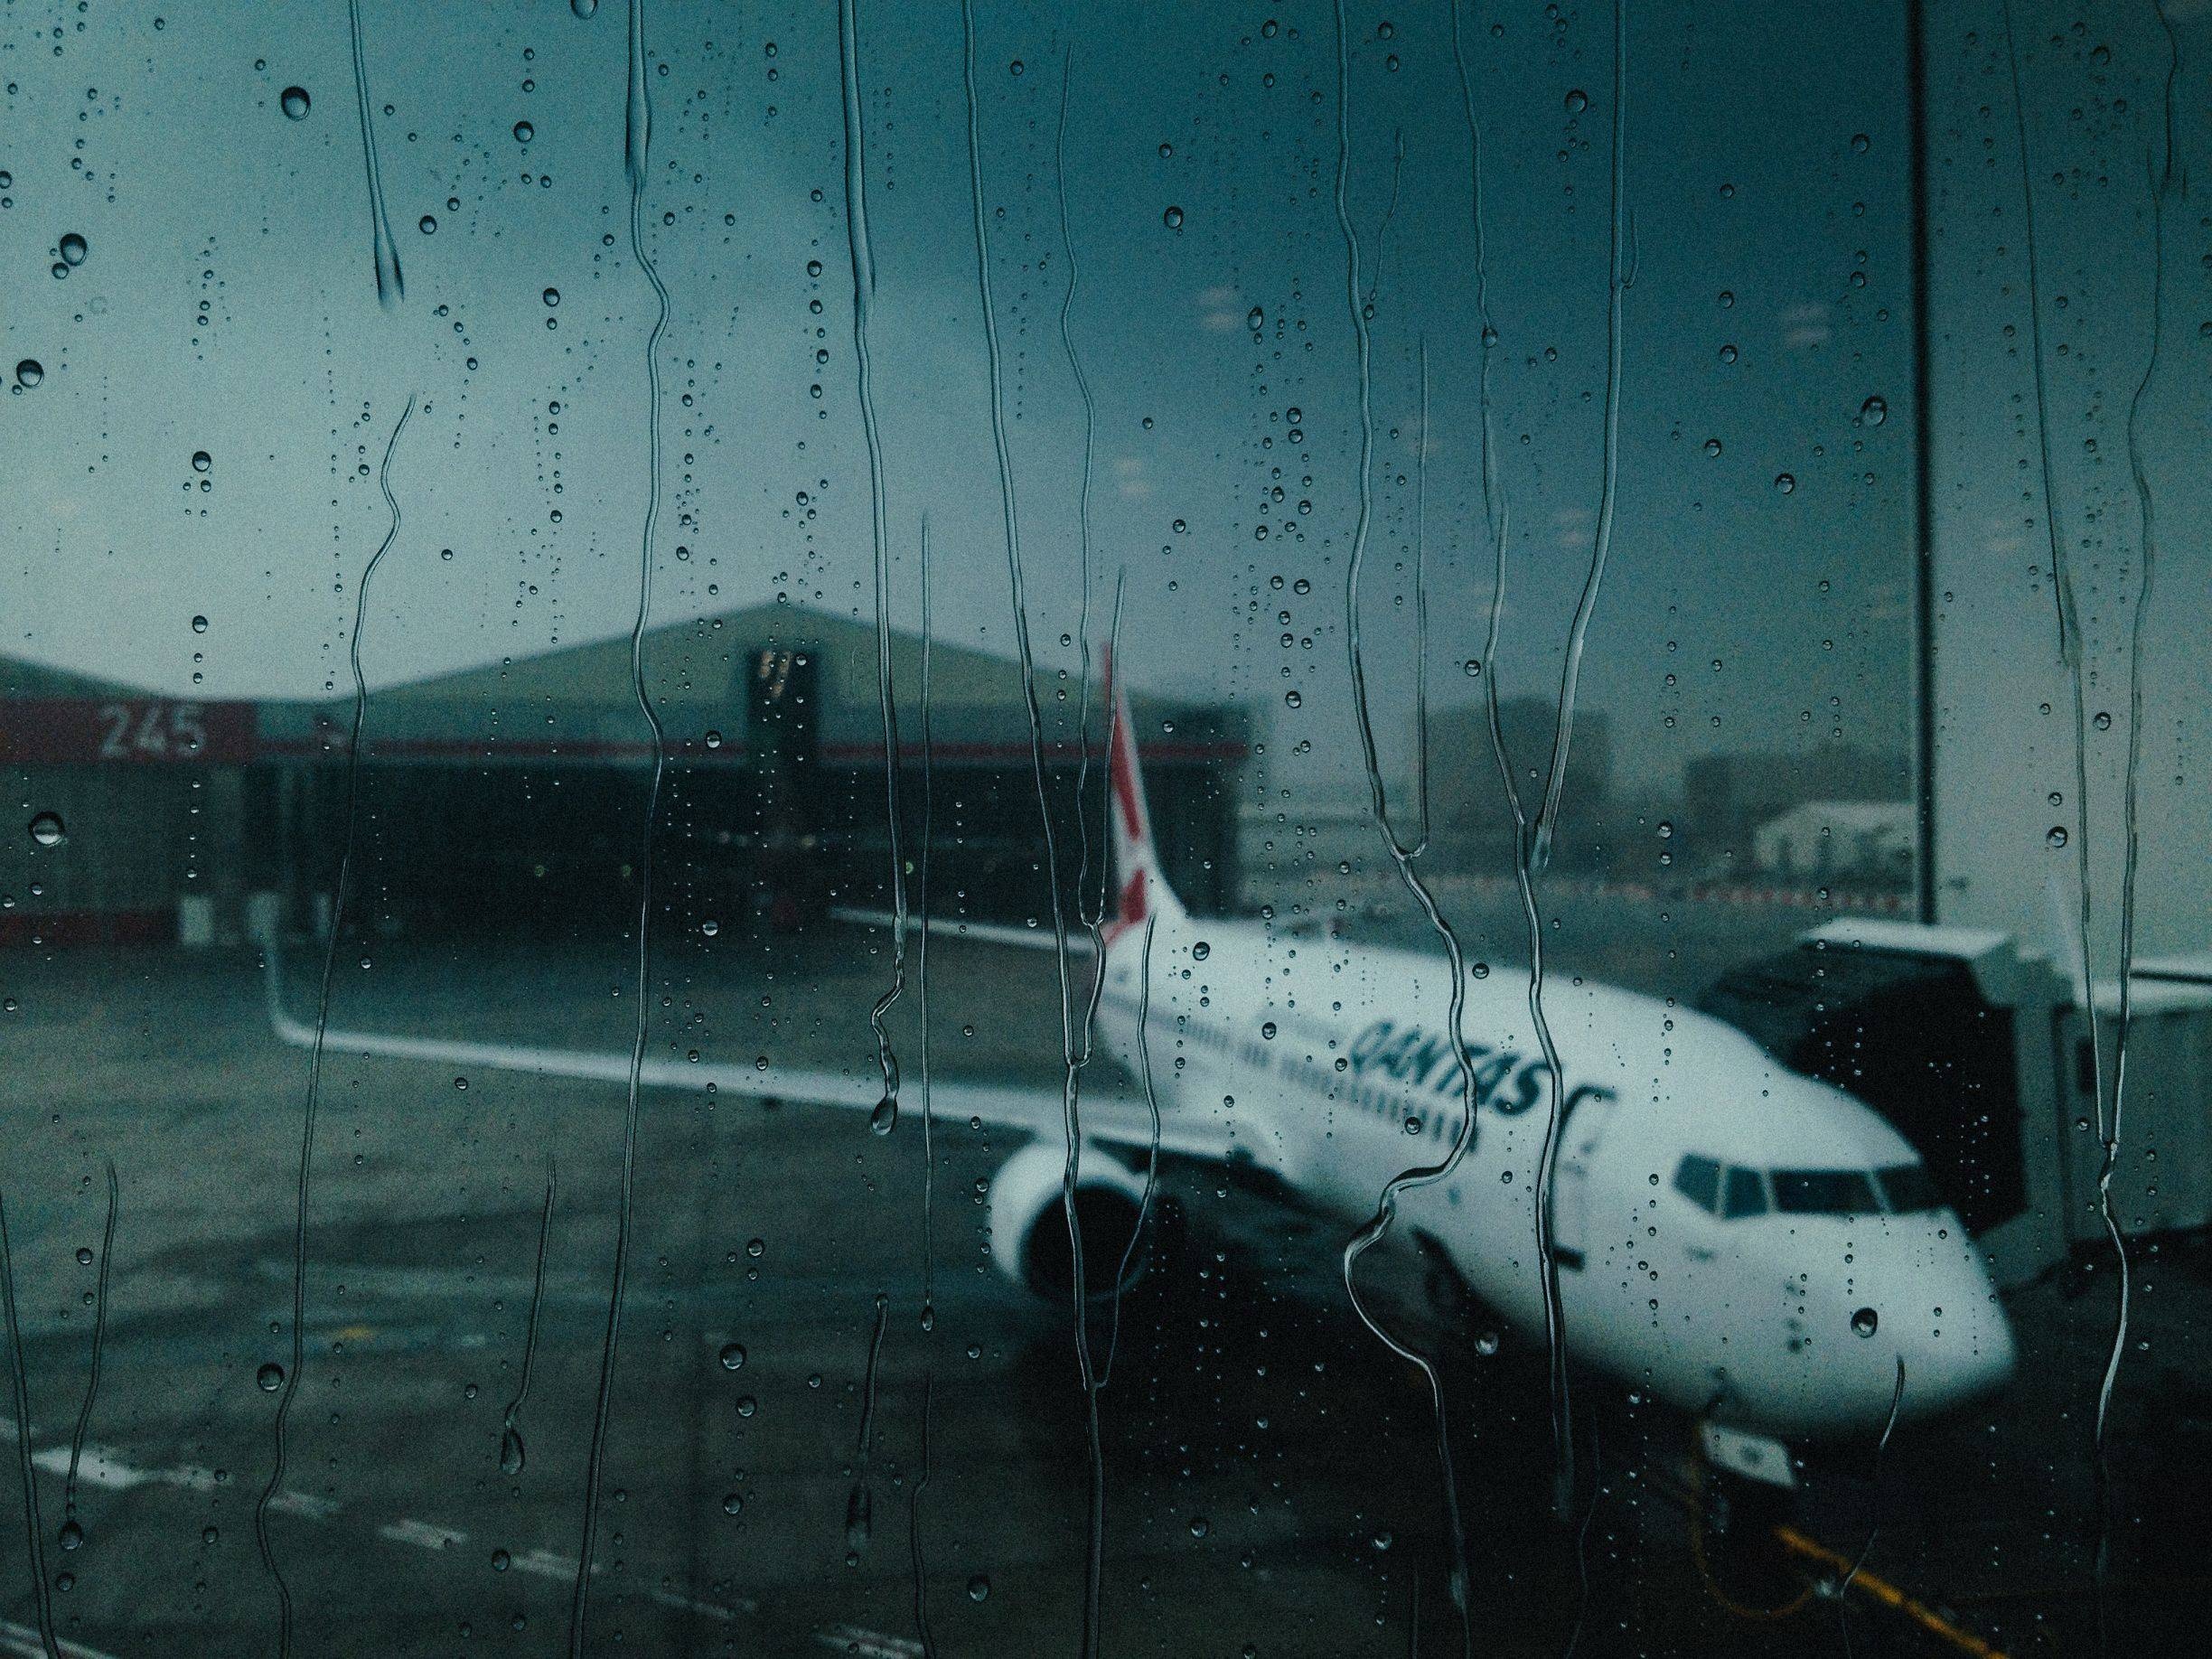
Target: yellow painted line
<point>1880,1589</point>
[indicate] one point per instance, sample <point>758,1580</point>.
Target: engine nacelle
<point>1028,1222</point>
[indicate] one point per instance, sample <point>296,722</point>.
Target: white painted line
<point>421,1533</point>
<point>711,1609</point>
<point>874,1644</point>
<point>103,1466</point>
<point>547,1565</point>
<point>24,1640</point>
<point>292,1503</point>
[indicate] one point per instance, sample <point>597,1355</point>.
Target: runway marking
<point>22,1639</point>
<point>103,1466</point>
<point>874,1644</point>
<point>421,1533</point>
<point>548,1565</point>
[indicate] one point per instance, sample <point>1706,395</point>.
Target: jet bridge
<point>1980,1054</point>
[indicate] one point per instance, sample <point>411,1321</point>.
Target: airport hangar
<point>508,800</point>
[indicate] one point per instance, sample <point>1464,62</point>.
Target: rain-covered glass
<point>1308,829</point>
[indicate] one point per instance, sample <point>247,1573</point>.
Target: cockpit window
<point>1907,1187</point>
<point>1825,1192</point>
<point>1746,1194</point>
<point>1698,1179</point>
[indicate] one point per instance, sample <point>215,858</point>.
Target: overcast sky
<point>226,304</point>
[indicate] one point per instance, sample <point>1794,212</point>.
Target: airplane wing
<point>1111,1107</point>
<point>1078,939</point>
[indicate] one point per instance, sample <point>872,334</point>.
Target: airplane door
<point>1585,1128</point>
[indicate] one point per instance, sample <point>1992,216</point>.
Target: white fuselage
<point>1332,1068</point>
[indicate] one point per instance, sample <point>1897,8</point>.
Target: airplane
<point>1747,1244</point>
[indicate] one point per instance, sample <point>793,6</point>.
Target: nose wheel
<point>1737,1519</point>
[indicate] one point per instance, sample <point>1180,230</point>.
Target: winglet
<point>1142,890</point>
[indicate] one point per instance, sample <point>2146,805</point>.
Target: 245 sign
<point>152,731</point>
<point>126,731</point>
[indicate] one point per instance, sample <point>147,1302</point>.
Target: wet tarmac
<point>830,1484</point>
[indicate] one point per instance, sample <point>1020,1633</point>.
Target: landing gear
<point>1742,1496</point>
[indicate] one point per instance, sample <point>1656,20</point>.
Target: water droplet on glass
<point>732,1503</point>
<point>1859,142</point>
<point>733,1356</point>
<point>1487,1343</point>
<point>1200,1526</point>
<point>84,1255</point>
<point>524,132</point>
<point>1294,699</point>
<point>885,1118</point>
<point>979,1588</point>
<point>583,8</point>
<point>29,373</point>
<point>270,1378</point>
<point>1577,102</point>
<point>1255,319</point>
<point>1784,483</point>
<point>552,297</point>
<point>1201,951</point>
<point>46,830</point>
<point>500,1561</point>
<point>73,249</point>
<point>2057,836</point>
<point>1874,411</point>
<point>1713,447</point>
<point>71,1534</point>
<point>1173,219</point>
<point>2101,721</point>
<point>296,102</point>
<point>511,1451</point>
<point>427,225</point>
<point>1866,1321</point>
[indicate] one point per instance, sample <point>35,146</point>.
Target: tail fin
<point>1142,891</point>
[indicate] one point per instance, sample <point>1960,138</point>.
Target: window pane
<point>912,826</point>
<point>1909,1187</point>
<point>1747,1193</point>
<point>1824,1192</point>
<point>1698,1179</point>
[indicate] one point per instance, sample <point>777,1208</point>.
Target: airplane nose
<point>1960,1356</point>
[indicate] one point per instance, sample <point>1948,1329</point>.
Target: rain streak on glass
<point>1330,829</point>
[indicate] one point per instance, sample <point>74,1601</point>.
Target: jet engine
<point>1028,1222</point>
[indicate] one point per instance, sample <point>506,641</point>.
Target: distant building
<point>1726,797</point>
<point>1471,821</point>
<point>509,798</point>
<point>1863,843</point>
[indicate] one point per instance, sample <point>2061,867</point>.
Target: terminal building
<point>510,799</point>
